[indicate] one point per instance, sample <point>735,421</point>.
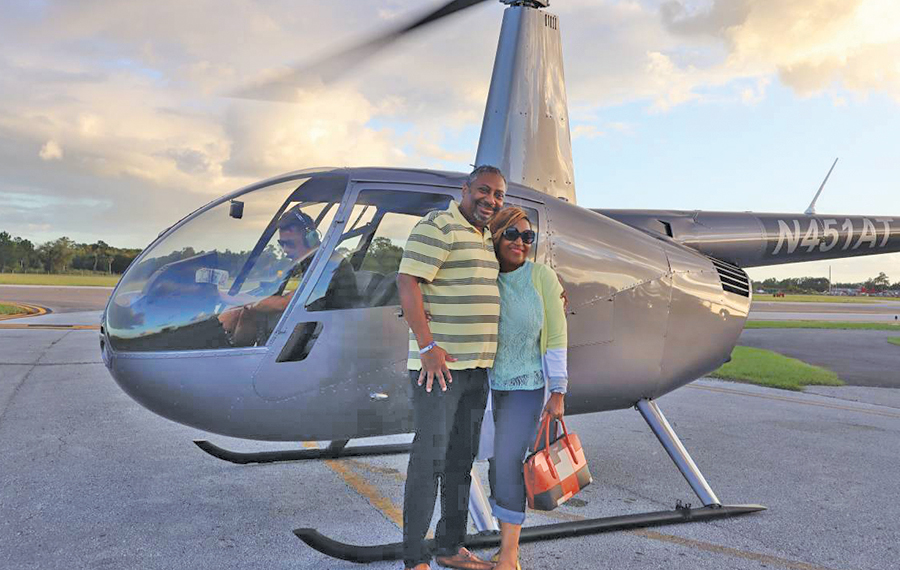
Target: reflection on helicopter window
<point>224,277</point>
<point>371,248</point>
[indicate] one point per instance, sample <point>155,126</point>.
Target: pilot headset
<point>311,237</point>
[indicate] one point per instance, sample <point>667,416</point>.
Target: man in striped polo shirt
<point>449,271</point>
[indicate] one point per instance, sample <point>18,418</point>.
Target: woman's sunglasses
<point>512,234</point>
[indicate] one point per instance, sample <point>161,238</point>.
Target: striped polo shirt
<point>459,270</point>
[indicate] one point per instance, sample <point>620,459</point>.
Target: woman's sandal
<point>496,558</point>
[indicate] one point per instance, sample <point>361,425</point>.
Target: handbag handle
<point>568,441</point>
<point>545,430</point>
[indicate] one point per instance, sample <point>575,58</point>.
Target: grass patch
<point>767,297</point>
<point>894,340</point>
<point>821,325</point>
<point>45,279</point>
<point>767,368</point>
<point>10,310</point>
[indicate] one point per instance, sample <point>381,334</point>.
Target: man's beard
<point>479,216</point>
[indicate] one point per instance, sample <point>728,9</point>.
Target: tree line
<point>62,255</point>
<point>878,284</point>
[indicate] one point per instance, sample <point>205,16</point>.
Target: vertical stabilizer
<point>526,121</point>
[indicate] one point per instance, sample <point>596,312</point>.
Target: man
<point>449,270</point>
<point>299,238</point>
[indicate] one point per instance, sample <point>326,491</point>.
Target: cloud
<point>321,128</point>
<point>812,45</point>
<point>586,132</point>
<point>755,94</point>
<point>589,131</point>
<point>51,151</point>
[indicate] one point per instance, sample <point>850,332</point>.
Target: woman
<point>530,361</point>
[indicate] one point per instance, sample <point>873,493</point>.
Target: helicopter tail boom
<point>748,239</point>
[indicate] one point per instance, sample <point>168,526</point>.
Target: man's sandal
<point>496,558</point>
<point>464,560</point>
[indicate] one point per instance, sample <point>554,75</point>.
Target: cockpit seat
<point>384,292</point>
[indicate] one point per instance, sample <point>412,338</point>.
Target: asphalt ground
<point>882,307</point>
<point>879,312</point>
<point>57,299</point>
<point>858,357</point>
<point>92,480</point>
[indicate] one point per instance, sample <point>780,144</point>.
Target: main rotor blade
<point>284,87</point>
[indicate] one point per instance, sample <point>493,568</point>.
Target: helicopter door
<point>349,335</point>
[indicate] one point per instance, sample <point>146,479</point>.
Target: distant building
<point>846,291</point>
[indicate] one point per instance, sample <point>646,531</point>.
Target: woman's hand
<point>556,406</point>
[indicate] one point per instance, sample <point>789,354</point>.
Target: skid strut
<point>676,450</point>
<point>488,536</point>
<point>480,508</point>
<point>335,450</point>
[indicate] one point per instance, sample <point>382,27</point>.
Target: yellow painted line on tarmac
<point>17,326</point>
<point>569,517</point>
<point>765,559</point>
<point>384,505</point>
<point>27,311</point>
<point>882,413</point>
<point>700,545</point>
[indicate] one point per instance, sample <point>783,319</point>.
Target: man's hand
<point>273,304</point>
<point>564,296</point>
<point>434,366</point>
<point>555,407</point>
<point>230,319</point>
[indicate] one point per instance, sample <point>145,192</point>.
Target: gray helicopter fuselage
<point>646,314</point>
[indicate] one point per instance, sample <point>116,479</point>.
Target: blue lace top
<point>518,365</point>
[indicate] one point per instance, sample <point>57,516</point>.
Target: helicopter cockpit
<point>197,287</point>
<point>224,277</point>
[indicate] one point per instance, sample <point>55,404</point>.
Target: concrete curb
<point>27,311</point>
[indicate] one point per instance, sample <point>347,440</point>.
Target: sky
<point>116,120</point>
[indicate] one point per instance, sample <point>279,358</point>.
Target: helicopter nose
<point>199,390</point>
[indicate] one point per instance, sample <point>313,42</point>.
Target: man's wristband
<point>427,347</point>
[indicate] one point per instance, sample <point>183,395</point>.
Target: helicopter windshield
<point>224,277</point>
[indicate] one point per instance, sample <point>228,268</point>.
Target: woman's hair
<point>508,216</point>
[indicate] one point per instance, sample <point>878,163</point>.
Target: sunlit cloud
<point>812,45</point>
<point>51,151</point>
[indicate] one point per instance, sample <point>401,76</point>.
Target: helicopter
<point>656,298</point>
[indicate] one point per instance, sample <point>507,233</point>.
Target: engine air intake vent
<point>734,279</point>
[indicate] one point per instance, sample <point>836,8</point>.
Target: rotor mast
<point>526,121</point>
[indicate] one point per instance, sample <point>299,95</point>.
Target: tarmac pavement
<point>859,357</point>
<point>92,480</point>
<point>875,312</point>
<point>62,299</point>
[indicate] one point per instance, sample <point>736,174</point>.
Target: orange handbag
<point>556,472</point>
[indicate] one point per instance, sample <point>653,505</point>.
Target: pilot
<point>299,239</point>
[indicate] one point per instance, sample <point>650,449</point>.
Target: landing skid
<point>366,554</point>
<point>335,450</point>
<point>488,537</point>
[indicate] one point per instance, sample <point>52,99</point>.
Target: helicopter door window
<point>224,276</point>
<point>362,271</point>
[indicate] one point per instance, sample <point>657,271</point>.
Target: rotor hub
<point>527,3</point>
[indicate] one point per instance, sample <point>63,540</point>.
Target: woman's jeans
<point>516,415</point>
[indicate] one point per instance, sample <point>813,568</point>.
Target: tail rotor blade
<point>284,87</point>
